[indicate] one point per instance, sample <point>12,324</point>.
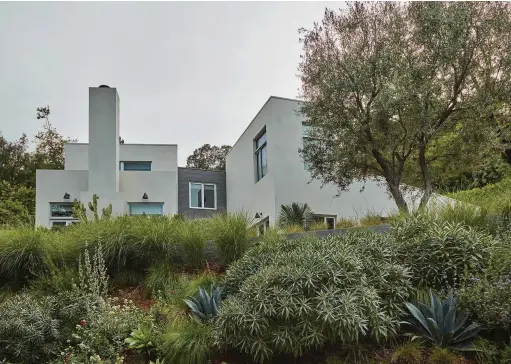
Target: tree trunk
<point>425,174</point>
<point>397,195</point>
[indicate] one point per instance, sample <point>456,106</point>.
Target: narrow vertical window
<point>261,157</point>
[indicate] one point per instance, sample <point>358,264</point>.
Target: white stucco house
<point>263,171</point>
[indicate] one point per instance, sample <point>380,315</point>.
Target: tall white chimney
<point>103,140</point>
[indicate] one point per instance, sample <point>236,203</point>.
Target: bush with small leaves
<point>288,296</point>
<point>440,254</point>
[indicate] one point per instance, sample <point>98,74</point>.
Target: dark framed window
<point>135,166</point>
<point>261,156</point>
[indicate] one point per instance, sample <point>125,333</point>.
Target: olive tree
<point>381,79</point>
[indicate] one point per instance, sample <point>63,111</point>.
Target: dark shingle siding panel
<point>187,175</point>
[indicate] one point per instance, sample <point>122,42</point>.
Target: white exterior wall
<point>163,157</point>
<point>51,185</point>
<point>160,186</point>
<point>103,140</point>
<point>95,169</point>
<point>287,181</point>
<point>293,183</point>
<point>243,193</point>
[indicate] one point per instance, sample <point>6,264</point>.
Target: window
<point>261,156</point>
<point>135,166</point>
<point>61,210</point>
<point>263,227</point>
<point>146,208</point>
<point>202,195</point>
<point>325,219</point>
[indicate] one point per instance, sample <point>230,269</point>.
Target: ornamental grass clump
<point>289,296</point>
<point>229,232</point>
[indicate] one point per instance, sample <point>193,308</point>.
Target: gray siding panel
<point>187,175</point>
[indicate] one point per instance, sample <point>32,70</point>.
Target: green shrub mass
<point>291,296</point>
<point>439,253</point>
<point>493,197</point>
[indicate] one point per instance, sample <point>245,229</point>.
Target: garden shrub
<point>288,296</point>
<point>492,197</point>
<point>29,329</point>
<point>187,342</point>
<point>192,239</point>
<point>160,277</point>
<point>27,253</point>
<point>129,242</point>
<point>229,233</point>
<point>440,254</point>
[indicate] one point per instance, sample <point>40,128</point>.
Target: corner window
<point>263,227</point>
<point>135,166</point>
<point>326,219</point>
<point>202,195</point>
<point>305,135</point>
<point>261,156</point>
<point>146,208</point>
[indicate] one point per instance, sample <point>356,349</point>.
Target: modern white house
<point>263,171</point>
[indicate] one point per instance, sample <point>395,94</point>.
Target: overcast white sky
<point>186,73</point>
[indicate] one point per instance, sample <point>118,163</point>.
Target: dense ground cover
<point>114,291</point>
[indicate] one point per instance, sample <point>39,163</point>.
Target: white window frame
<point>325,217</point>
<point>202,195</point>
<point>67,219</point>
<point>264,223</point>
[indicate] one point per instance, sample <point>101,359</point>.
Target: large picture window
<point>59,210</point>
<point>261,157</point>
<point>146,208</point>
<point>202,195</point>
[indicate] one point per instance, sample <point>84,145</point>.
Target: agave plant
<point>442,323</point>
<point>295,214</point>
<point>206,306</point>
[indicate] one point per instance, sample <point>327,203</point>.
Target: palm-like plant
<point>295,214</point>
<point>442,324</point>
<point>206,306</point>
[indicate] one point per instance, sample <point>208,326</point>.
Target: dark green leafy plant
<point>295,214</point>
<point>206,306</point>
<point>442,323</point>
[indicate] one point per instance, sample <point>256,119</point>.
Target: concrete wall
<point>187,175</point>
<point>160,186</point>
<point>51,185</point>
<point>293,183</point>
<point>287,180</point>
<point>163,157</point>
<point>244,193</point>
<point>103,140</point>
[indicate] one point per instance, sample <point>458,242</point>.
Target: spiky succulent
<point>140,338</point>
<point>442,323</point>
<point>206,306</point>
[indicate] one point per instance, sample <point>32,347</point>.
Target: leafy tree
<point>16,162</point>
<point>381,80</point>
<point>297,213</point>
<point>209,157</point>
<point>49,153</point>
<point>16,204</point>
